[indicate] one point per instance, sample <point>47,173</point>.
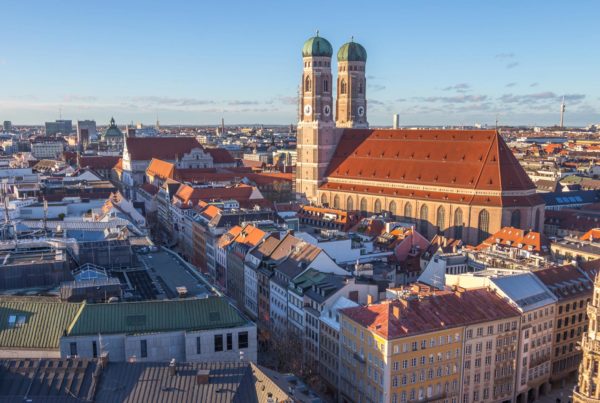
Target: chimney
<point>370,299</point>
<point>396,312</point>
<point>353,296</point>
<point>202,377</point>
<point>172,368</point>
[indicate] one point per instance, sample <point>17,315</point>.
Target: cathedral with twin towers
<point>460,183</point>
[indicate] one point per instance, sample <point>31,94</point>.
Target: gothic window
<point>441,217</point>
<point>326,85</point>
<point>363,206</point>
<point>323,199</point>
<point>393,208</point>
<point>349,203</point>
<point>377,207</point>
<point>343,87</point>
<point>458,223</point>
<point>360,86</point>
<point>483,225</point>
<point>537,220</point>
<point>423,225</point>
<point>336,201</point>
<point>515,219</point>
<point>307,84</point>
<point>408,210</point>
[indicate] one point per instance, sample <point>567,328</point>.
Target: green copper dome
<point>352,52</point>
<point>113,130</point>
<point>317,46</point>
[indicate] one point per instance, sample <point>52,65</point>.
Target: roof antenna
<point>496,122</point>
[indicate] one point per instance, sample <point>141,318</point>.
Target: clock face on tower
<point>307,110</point>
<point>327,110</point>
<point>361,111</point>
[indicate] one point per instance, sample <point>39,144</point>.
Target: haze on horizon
<point>433,62</point>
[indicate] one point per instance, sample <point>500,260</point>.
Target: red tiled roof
<point>228,237</point>
<point>517,238</point>
<point>161,169</point>
<point>250,235</point>
<point>220,155</point>
<point>211,212</point>
<point>444,310</point>
<point>470,159</point>
<point>164,148</point>
<point>186,194</point>
<point>591,268</point>
<point>253,164</point>
<point>98,162</point>
<point>267,178</point>
<point>591,235</point>
<point>565,282</point>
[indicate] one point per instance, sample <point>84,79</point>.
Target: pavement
<point>172,273</point>
<point>565,394</point>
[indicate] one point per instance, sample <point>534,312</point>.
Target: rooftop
<point>406,317</point>
<point>34,322</point>
<point>156,316</point>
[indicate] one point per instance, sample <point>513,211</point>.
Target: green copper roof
<point>317,46</point>
<point>352,52</point>
<point>113,130</point>
<point>34,322</point>
<point>156,316</point>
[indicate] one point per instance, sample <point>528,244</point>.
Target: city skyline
<point>432,63</point>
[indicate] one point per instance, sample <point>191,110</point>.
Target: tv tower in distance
<point>562,112</point>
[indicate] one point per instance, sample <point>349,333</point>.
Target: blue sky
<point>433,62</point>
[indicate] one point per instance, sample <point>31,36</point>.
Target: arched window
<point>360,86</point>
<point>349,203</point>
<point>377,207</point>
<point>323,199</point>
<point>393,208</point>
<point>408,210</point>
<point>343,87</point>
<point>307,84</point>
<point>424,222</point>
<point>363,206</point>
<point>326,85</point>
<point>458,223</point>
<point>537,220</point>
<point>515,219</point>
<point>336,201</point>
<point>483,225</point>
<point>441,218</point>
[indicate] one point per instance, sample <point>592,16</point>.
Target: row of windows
<point>317,63</point>
<point>567,307</point>
<point>423,360</point>
<point>218,342</point>
<point>440,221</point>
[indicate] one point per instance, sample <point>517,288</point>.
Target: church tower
<point>588,385</point>
<point>316,139</point>
<point>351,102</point>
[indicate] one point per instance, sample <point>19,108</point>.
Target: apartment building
<point>537,306</point>
<point>573,288</point>
<point>412,348</point>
